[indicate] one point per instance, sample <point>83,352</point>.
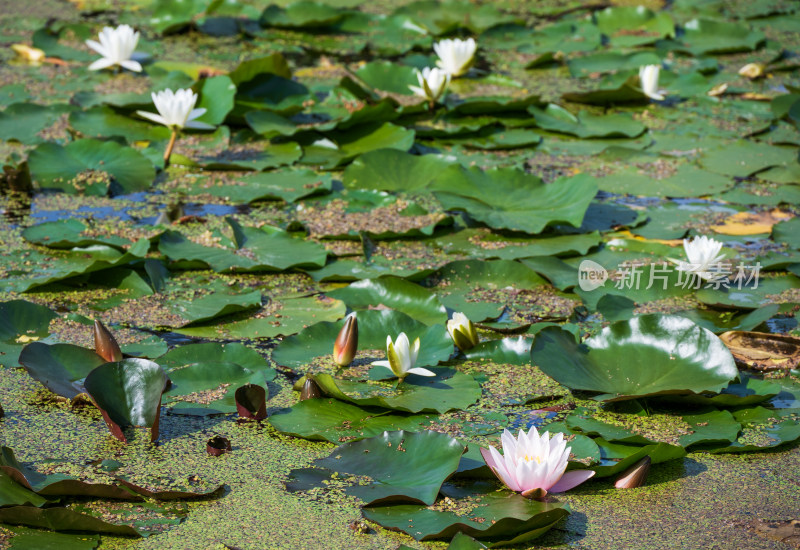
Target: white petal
<point>102,63</point>
<point>152,116</point>
<point>96,46</point>
<point>197,125</point>
<point>131,65</point>
<point>421,372</point>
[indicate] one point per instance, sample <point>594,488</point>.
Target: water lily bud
<point>635,476</point>
<point>105,345</point>
<point>346,344</point>
<point>752,70</point>
<point>463,332</point>
<point>311,389</point>
<point>26,53</point>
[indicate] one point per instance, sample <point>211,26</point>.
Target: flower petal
<point>421,372</point>
<point>571,479</point>
<point>197,125</point>
<point>131,65</point>
<point>153,116</point>
<point>102,63</point>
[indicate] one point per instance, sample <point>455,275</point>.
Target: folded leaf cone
<point>105,345</point>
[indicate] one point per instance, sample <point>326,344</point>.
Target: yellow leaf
<point>751,223</point>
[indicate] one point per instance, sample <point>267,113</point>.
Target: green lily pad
<point>687,181</point>
<point>712,428</point>
<point>628,26</point>
<point>664,354</point>
<point>212,306</point>
<point>393,170</point>
<point>128,393</point>
<point>33,539</point>
<point>586,125</point>
<point>23,122</point>
<point>465,275</point>
<point>506,351</point>
<point>289,186</point>
<point>337,421</point>
<point>374,326</point>
<point>62,519</point>
<point>448,390</point>
<point>14,494</point>
<point>404,466</point>
<point>743,158</point>
<point>705,36</point>
<point>343,146</point>
<point>771,436</point>
<point>216,95</point>
<point>388,76</point>
<point>564,36</point>
<point>274,155</point>
<point>627,92</point>
<point>787,232</point>
<point>480,243</point>
<point>60,367</point>
<point>60,266</point>
<point>303,14</point>
<point>68,233</point>
<point>103,122</point>
<point>201,377</point>
<point>90,167</point>
<point>278,318</point>
<point>265,249</point>
<point>392,292</point>
<point>441,18</point>
<point>498,515</point>
<point>236,353</point>
<point>21,322</point>
<point>759,292</point>
<point>609,62</point>
<point>512,199</point>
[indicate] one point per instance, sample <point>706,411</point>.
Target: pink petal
<point>487,457</point>
<point>570,480</point>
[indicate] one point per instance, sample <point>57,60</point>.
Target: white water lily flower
<point>462,331</point>
<point>432,83</point>
<point>533,464</point>
<point>116,46</point>
<point>402,356</point>
<point>456,56</point>
<point>176,110</point>
<point>703,254</point>
<point>648,80</point>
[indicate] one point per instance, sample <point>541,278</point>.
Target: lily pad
<point>21,322</point>
<point>499,515</point>
<point>393,170</point>
<point>511,199</point>
<point>392,292</point>
<point>61,368</point>
<point>447,390</point>
<point>404,466</point>
<point>664,354</point>
<point>628,26</point>
<point>90,167</point>
<point>585,124</point>
<point>289,186</point>
<point>336,421</point>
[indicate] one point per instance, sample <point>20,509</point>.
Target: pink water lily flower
<point>534,465</point>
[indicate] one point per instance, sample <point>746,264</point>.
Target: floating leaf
<point>763,351</point>
<point>447,390</point>
<point>511,199</point>
<point>404,466</point>
<point>60,367</point>
<point>337,421</point>
<point>392,292</point>
<point>289,186</point>
<point>91,167</point>
<point>628,26</point>
<point>62,519</point>
<point>663,354</point>
<point>21,322</point>
<point>586,125</point>
<point>393,170</point>
<point>498,515</point>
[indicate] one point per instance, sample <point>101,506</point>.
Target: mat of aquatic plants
<point>300,315</point>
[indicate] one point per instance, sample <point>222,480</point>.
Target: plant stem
<point>170,145</point>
